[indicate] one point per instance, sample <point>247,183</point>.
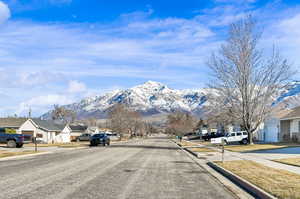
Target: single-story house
<point>92,130</point>
<point>269,130</point>
<point>12,123</point>
<point>290,126</point>
<point>77,130</point>
<point>46,131</point>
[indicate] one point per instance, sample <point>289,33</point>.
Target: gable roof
<point>294,114</point>
<point>78,128</point>
<point>48,125</point>
<point>11,122</point>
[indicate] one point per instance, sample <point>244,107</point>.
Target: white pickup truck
<point>240,136</point>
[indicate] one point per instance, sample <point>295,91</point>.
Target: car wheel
<point>19,145</point>
<point>245,141</point>
<point>11,144</point>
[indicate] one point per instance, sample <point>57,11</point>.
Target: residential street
<point>153,168</point>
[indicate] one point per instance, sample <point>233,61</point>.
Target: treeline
<point>128,122</point>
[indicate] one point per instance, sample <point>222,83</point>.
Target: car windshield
<point>99,135</point>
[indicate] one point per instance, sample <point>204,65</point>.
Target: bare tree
<point>63,115</point>
<point>180,123</point>
<point>246,83</point>
<point>125,121</point>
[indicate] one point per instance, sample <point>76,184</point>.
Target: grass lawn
<point>201,149</point>
<point>289,161</point>
<point>254,147</point>
<point>4,154</point>
<point>280,183</point>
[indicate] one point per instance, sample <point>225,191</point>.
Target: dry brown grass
<point>185,143</point>
<point>280,183</point>
<point>206,143</point>
<point>254,147</point>
<point>202,149</point>
<point>4,154</point>
<point>289,161</point>
<point>72,144</point>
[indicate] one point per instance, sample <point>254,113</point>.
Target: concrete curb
<point>247,186</point>
<point>25,156</point>
<point>229,185</point>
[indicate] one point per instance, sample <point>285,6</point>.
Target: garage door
<point>30,135</point>
<point>27,133</point>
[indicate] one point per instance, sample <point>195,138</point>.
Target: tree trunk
<point>250,137</point>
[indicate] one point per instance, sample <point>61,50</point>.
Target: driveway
<point>153,168</point>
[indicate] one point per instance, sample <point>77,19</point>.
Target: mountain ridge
<point>151,98</point>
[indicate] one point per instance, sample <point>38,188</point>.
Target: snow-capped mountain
<point>152,98</point>
<point>149,98</point>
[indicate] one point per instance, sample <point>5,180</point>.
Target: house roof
<point>48,125</point>
<point>295,113</point>
<point>78,128</point>
<point>12,122</point>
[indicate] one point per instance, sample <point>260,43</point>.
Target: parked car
<point>100,138</point>
<point>209,136</point>
<point>83,137</point>
<point>113,136</point>
<point>240,136</point>
<point>13,140</point>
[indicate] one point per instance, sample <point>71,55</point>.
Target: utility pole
<point>34,133</point>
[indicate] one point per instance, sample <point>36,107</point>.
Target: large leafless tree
<point>245,81</point>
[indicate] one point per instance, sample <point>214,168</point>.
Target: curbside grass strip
<point>25,156</point>
<point>247,186</point>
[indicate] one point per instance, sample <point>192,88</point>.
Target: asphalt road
<point>152,168</point>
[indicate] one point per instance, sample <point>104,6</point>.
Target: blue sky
<point>59,51</point>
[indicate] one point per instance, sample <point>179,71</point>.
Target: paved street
<point>153,168</point>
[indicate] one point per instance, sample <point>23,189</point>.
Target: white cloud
<point>41,104</point>
<point>76,87</point>
<point>4,12</point>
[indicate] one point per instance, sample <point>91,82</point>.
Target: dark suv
<point>100,138</point>
<point>208,136</point>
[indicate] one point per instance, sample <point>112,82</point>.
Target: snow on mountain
<point>290,95</point>
<point>153,98</point>
<point>149,98</point>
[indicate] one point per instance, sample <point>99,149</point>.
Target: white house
<point>270,129</point>
<point>46,131</point>
<point>77,130</point>
<point>290,126</point>
<point>64,136</point>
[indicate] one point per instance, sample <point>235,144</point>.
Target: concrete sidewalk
<point>262,158</point>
